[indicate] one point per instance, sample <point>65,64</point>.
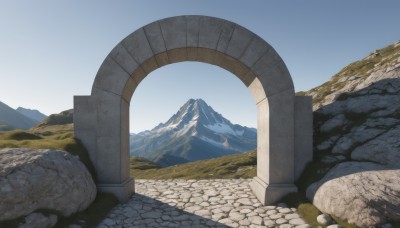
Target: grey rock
<point>256,220</point>
<point>387,225</point>
<point>369,193</point>
<point>324,219</point>
<point>32,179</point>
<point>244,201</point>
<point>38,220</point>
<point>333,123</point>
<point>281,221</point>
<point>334,226</point>
<point>304,226</point>
<point>152,214</point>
<point>383,149</point>
<point>297,221</point>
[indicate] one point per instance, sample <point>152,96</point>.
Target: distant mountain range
<point>32,113</point>
<point>195,132</point>
<point>21,118</point>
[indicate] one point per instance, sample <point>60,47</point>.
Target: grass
<point>63,141</point>
<point>65,117</point>
<point>308,211</point>
<point>19,135</point>
<point>93,215</point>
<point>227,167</point>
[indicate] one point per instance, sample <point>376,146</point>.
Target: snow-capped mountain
<point>195,132</point>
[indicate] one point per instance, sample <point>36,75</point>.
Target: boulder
<point>32,179</point>
<point>364,193</point>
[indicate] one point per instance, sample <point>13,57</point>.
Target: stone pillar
<point>275,148</point>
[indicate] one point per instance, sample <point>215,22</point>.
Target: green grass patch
<point>65,117</point>
<point>228,167</point>
<point>344,223</point>
<point>63,141</point>
<point>19,135</point>
<point>308,211</point>
<point>93,215</point>
<point>304,208</point>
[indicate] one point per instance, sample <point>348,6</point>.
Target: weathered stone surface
<point>383,149</point>
<point>363,193</point>
<point>38,220</point>
<point>32,179</point>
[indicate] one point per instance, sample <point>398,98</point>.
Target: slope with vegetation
<point>356,128</point>
<point>227,167</point>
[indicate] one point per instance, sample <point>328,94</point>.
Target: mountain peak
<point>195,132</point>
<point>193,113</point>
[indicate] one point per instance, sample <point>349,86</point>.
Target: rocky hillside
<point>380,64</point>
<point>356,141</point>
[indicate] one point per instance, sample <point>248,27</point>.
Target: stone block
<point>124,152</point>
<point>129,89</point>
<point>209,32</point>
<point>108,111</point>
<point>108,164</point>
<point>155,37</point>
<point>111,77</point>
<point>240,39</point>
<point>230,64</point>
<point>174,32</point>
<point>85,123</point>
<point>227,29</point>
<point>270,68</point>
<point>192,35</point>
<point>263,141</point>
<point>303,133</point>
<point>177,55</point>
<point>138,46</point>
<point>256,88</point>
<point>206,55</point>
<point>122,191</point>
<point>122,57</point>
<point>256,49</point>
<point>270,194</point>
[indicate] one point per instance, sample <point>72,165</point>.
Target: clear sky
<point>51,50</point>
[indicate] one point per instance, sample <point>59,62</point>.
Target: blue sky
<point>51,50</point>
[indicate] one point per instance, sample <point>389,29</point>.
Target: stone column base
<point>270,194</point>
<point>122,191</point>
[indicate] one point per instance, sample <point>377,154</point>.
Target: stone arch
<point>284,120</point>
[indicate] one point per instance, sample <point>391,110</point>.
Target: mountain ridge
<point>11,119</point>
<point>31,113</point>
